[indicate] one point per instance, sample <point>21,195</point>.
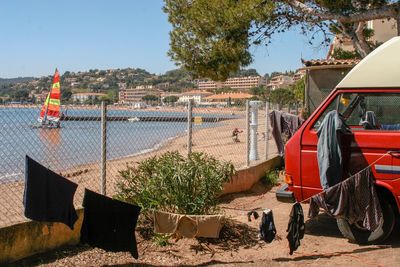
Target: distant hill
<point>15,80</point>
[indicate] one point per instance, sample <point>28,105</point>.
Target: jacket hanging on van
<point>329,150</point>
<point>296,227</point>
<point>109,224</point>
<point>48,197</point>
<point>354,199</point>
<point>267,226</point>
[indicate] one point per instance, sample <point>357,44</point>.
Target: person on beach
<point>235,135</point>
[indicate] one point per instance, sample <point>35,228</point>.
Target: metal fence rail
<point>95,143</point>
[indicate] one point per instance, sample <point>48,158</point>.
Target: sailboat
<point>50,113</point>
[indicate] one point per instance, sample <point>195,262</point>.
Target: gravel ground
<point>238,244</point>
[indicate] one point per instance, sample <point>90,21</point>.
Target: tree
<point>65,95</point>
<point>298,90</point>
<point>20,94</point>
<point>150,98</point>
<point>171,99</point>
<point>259,91</point>
<point>213,38</point>
<point>281,97</point>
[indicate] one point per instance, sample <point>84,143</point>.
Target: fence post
<point>247,133</point>
<point>103,148</point>
<point>253,130</point>
<point>189,126</point>
<point>266,136</point>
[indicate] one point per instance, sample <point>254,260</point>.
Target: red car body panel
<point>362,147</point>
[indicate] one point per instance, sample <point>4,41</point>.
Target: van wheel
<point>356,233</point>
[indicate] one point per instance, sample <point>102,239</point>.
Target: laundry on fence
<point>48,197</point>
<point>283,123</point>
<point>354,199</point>
<point>188,225</point>
<point>109,224</point>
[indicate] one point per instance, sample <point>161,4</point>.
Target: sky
<point>76,35</point>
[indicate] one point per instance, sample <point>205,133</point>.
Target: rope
<point>307,199</point>
<point>351,177</point>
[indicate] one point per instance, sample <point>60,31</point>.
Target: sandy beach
<point>216,141</point>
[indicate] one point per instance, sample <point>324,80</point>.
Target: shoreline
<point>127,108</point>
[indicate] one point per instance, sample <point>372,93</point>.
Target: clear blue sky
<point>38,36</point>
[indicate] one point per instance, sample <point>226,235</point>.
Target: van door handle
<point>395,153</point>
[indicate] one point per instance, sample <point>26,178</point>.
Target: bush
<point>271,178</point>
<point>173,183</point>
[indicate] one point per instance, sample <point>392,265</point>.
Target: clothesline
<point>307,199</point>
<point>369,166</point>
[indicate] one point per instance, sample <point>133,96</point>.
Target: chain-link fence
<point>95,143</point>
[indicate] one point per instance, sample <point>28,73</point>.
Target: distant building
<point>299,75</point>
<point>82,97</point>
<point>138,105</point>
<point>280,81</point>
<point>133,95</point>
<point>383,31</point>
<point>197,96</point>
<point>40,97</point>
<point>224,98</point>
<point>238,83</point>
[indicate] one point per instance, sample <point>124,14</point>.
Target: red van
<point>373,87</point>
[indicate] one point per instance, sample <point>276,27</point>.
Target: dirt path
<point>239,245</point>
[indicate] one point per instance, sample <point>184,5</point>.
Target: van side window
<point>376,112</point>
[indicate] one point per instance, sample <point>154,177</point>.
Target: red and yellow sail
<point>51,107</point>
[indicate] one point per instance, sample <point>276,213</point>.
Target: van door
<point>363,146</point>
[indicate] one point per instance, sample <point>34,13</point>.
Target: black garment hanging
<point>48,197</point>
<point>267,226</point>
<point>109,224</point>
<point>296,227</point>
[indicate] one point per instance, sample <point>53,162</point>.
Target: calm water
<point>77,142</point>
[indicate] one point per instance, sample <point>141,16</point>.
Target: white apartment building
<point>298,75</point>
<point>82,97</point>
<point>239,83</point>
<point>197,96</point>
<point>280,81</point>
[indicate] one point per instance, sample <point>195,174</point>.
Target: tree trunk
<point>361,44</point>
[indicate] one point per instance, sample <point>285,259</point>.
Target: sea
<point>79,142</point>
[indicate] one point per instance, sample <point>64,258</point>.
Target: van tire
<point>362,236</point>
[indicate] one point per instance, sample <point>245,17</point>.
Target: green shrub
<point>271,178</point>
<point>173,183</point>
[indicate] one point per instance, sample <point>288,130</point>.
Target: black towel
<point>48,197</point>
<point>109,224</point>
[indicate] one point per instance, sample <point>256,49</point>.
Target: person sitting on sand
<point>235,135</point>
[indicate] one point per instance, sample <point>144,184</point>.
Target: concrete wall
<point>246,178</point>
<point>28,238</point>
<point>25,239</point>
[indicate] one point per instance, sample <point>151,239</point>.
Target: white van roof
<point>381,68</point>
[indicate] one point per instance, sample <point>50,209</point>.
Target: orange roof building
<point>226,96</point>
